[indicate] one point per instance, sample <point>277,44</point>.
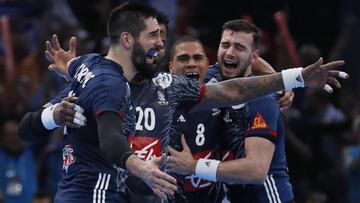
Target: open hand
<point>58,57</point>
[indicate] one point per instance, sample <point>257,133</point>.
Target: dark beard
<point>138,58</point>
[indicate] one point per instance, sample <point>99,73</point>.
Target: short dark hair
<point>241,25</point>
<point>128,17</point>
<point>163,20</point>
<point>181,40</point>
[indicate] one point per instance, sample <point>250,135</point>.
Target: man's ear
<point>170,67</point>
<point>126,39</point>
<point>255,55</point>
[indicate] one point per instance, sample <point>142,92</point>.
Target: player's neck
<point>123,59</point>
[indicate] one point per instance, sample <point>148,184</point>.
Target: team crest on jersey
<point>259,122</point>
<point>146,148</point>
<point>163,80</point>
<point>68,157</point>
<point>162,98</point>
<point>212,81</point>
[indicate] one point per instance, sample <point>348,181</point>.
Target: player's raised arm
<point>58,57</point>
<point>235,91</point>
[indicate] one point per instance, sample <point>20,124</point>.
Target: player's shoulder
<point>267,101</point>
<point>165,80</point>
<point>213,72</point>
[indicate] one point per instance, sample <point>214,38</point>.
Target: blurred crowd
<point>323,131</point>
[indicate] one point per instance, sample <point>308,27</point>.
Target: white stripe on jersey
<point>275,188</point>
<point>271,190</point>
<point>106,187</point>
<point>267,191</point>
<point>101,186</point>
<point>96,187</point>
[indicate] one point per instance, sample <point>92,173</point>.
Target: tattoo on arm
<point>239,90</point>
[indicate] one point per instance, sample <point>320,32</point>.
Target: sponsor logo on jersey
<point>227,118</point>
<point>162,98</point>
<point>259,122</point>
<point>146,148</point>
<point>181,119</point>
<point>193,183</point>
<point>215,111</point>
<point>163,80</point>
<point>68,157</point>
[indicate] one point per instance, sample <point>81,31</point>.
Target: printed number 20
<point>145,118</point>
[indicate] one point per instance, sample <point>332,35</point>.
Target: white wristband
<point>206,169</point>
<point>47,117</point>
<point>292,78</point>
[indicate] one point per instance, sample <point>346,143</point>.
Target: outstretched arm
<point>239,90</point>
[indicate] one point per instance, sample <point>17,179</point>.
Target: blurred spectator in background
<point>352,164</point>
<point>317,197</point>
<point>42,197</point>
<point>18,180</point>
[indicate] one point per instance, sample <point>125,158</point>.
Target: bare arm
<point>249,170</point>
<point>252,169</point>
<point>240,90</point>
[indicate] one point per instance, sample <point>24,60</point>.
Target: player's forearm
<point>242,171</point>
<point>112,143</point>
<point>240,90</point>
<point>31,127</point>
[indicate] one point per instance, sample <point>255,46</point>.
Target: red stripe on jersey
<point>121,114</point>
<point>202,92</point>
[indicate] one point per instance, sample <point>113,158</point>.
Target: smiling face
<point>149,40</point>
<point>189,59</point>
<point>236,53</point>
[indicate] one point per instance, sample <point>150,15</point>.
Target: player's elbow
<point>259,177</point>
<point>259,173</point>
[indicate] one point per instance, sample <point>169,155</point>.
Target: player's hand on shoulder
<point>286,99</point>
<point>67,113</point>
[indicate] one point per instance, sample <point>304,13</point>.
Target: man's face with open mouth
<point>234,54</point>
<point>189,59</point>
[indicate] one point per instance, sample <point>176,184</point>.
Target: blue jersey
<point>87,177</point>
<point>263,119</point>
<point>202,131</point>
<point>155,102</point>
<point>205,132</point>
